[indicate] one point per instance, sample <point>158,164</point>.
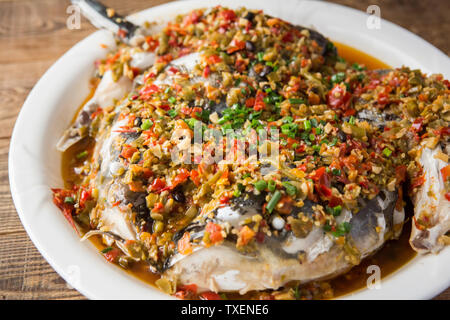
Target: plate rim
<point>92,293</point>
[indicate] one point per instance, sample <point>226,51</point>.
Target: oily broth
<point>354,55</point>
<point>390,258</point>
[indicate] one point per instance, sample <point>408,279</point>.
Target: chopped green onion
<point>82,154</point>
<point>333,143</point>
<point>172,113</point>
<point>288,119</point>
<point>222,120</point>
<point>358,67</point>
<point>330,46</point>
<point>336,172</point>
<point>296,100</point>
<point>307,125</point>
<point>205,115</point>
<point>316,148</point>
<point>172,100</point>
<point>254,115</point>
<point>342,229</point>
<point>272,185</point>
<point>191,122</point>
<point>289,129</point>
<point>106,250</point>
<point>273,201</point>
<point>352,120</point>
<point>69,200</point>
<point>146,124</point>
<point>337,211</point>
<point>297,293</point>
<point>338,77</point>
<point>260,56</point>
<point>327,226</point>
<point>387,152</point>
<point>261,185</point>
<point>290,189</point>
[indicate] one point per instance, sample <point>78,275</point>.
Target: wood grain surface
<point>33,35</point>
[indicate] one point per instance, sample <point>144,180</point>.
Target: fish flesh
<point>277,260</point>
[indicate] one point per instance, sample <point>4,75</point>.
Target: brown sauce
<point>390,258</point>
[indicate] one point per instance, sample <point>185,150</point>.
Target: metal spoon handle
<point>102,17</point>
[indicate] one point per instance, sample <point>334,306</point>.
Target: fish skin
<point>120,220</point>
<point>107,91</point>
<point>115,219</point>
<point>430,200</point>
<point>105,95</point>
<point>368,111</point>
<point>268,265</point>
<point>430,197</point>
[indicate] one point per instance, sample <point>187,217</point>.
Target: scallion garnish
<point>333,143</point>
<point>296,101</point>
<point>387,152</point>
<point>82,154</point>
<point>146,124</point>
<point>290,189</point>
<point>338,77</point>
<point>172,113</point>
<point>172,100</point>
<point>351,120</point>
<point>289,129</point>
<point>271,185</point>
<point>337,211</point>
<point>69,200</point>
<point>307,125</point>
<point>336,172</point>
<point>260,56</point>
<point>261,185</point>
<point>342,229</point>
<point>106,250</point>
<point>273,201</point>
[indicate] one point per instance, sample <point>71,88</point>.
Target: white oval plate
<point>34,163</point>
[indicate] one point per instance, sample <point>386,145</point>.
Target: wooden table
<point>33,35</point>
